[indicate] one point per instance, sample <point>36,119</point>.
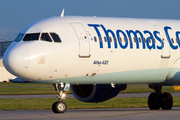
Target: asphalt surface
<point>95,114</point>
<point>89,114</point>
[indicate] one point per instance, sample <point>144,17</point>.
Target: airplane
<point>98,56</point>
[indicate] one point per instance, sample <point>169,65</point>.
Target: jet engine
<point>96,93</point>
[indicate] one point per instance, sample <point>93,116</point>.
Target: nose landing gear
<point>159,100</point>
<point>60,106</point>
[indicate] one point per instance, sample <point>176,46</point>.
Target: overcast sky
<point>17,14</point>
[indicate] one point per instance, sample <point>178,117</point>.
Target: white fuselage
<point>80,59</point>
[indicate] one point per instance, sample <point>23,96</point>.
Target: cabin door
<point>166,50</point>
<point>84,48</point>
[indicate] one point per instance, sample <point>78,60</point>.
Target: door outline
<point>166,50</point>
<point>83,39</point>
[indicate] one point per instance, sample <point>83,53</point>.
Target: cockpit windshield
<point>19,37</point>
<point>31,37</point>
<point>45,37</point>
<point>48,37</point>
<point>55,37</point>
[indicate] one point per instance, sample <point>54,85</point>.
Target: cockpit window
<point>19,37</point>
<point>31,37</point>
<point>55,37</point>
<point>45,37</point>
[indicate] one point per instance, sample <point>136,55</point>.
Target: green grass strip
<point>72,103</point>
<point>37,88</point>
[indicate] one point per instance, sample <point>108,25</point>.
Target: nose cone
<point>16,60</point>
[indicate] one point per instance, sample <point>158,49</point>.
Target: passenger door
<point>84,47</point>
<point>166,50</point>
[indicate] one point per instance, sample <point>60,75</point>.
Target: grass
<point>138,88</point>
<point>46,103</point>
<point>72,103</point>
<point>26,89</point>
<point>37,88</point>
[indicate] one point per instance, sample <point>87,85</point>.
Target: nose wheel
<point>60,106</point>
<point>159,100</point>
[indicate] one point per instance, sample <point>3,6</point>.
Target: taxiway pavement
<point>89,114</point>
<point>95,114</point>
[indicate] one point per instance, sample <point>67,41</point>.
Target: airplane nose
<point>16,61</point>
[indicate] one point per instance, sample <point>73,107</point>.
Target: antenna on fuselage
<point>62,14</point>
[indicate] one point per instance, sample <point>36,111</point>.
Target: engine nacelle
<point>96,93</point>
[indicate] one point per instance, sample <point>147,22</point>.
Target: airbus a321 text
<point>98,56</point>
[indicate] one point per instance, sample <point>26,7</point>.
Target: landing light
<point>63,95</point>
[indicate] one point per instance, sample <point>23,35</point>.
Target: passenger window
<point>55,37</point>
<point>154,40</point>
<point>19,37</point>
<point>45,37</point>
<point>120,39</point>
<point>115,39</point>
<point>130,39</point>
<point>31,37</point>
<point>172,40</point>
<point>110,39</point>
<point>100,38</point>
<point>139,40</point>
<point>149,40</point>
<point>125,40</point>
<point>95,39</point>
<point>144,40</point>
<point>105,39</point>
<point>177,40</point>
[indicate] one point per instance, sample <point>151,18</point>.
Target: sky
<point>17,14</point>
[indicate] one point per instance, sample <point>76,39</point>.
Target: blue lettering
<point>107,36</point>
<point>159,39</point>
<point>177,37</point>
<point>118,37</point>
<point>135,33</point>
<point>98,33</point>
<point>168,38</point>
<point>150,38</point>
<point>96,62</point>
<point>130,39</point>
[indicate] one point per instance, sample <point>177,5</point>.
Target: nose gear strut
<point>60,106</point>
